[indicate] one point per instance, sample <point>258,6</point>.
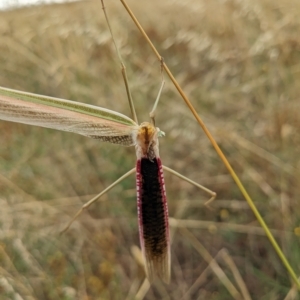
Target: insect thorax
<point>147,141</point>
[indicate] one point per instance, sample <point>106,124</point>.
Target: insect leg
<point>213,194</point>
<point>86,205</point>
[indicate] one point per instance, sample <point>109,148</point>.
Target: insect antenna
<point>152,113</point>
<point>123,68</point>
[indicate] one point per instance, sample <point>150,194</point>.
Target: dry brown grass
<point>238,61</point>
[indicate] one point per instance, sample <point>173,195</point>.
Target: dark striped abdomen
<point>153,217</point>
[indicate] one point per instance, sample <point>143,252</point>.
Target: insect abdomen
<point>153,218</point>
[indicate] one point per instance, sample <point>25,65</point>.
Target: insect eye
<point>160,133</point>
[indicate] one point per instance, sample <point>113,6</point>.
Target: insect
<point>109,126</point>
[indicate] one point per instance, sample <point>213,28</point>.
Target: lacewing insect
<point>109,126</point>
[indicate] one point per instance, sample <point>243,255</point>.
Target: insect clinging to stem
<point>109,126</point>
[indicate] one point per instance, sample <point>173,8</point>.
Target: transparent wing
<point>65,115</point>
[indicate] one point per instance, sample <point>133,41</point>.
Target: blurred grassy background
<point>238,61</point>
